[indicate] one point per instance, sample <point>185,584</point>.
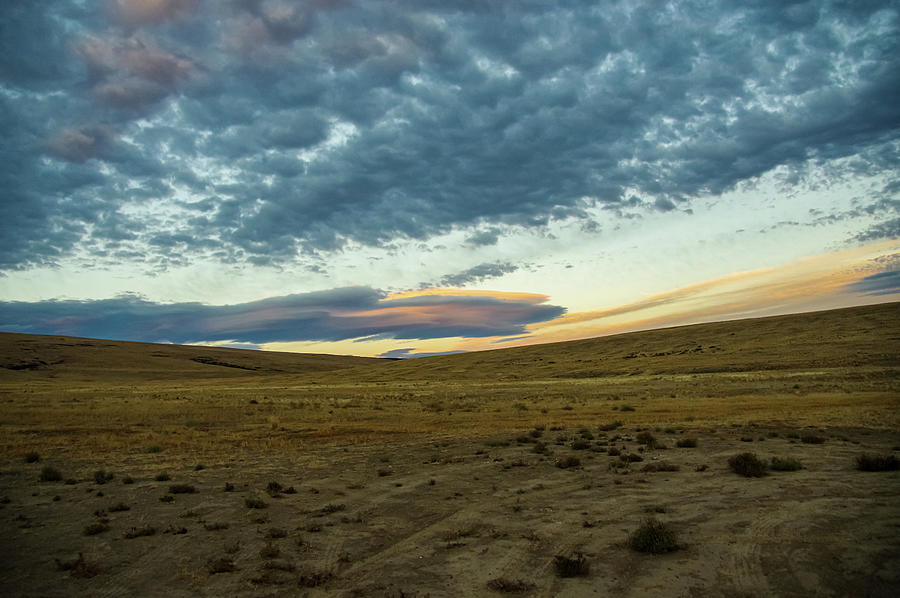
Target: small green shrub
<point>182,489</point>
<point>812,439</point>
<point>866,462</point>
<point>626,408</point>
<point>255,503</point>
<point>686,443</point>
<point>119,507</point>
<point>574,566</point>
<point>162,477</point>
<point>154,449</point>
<point>50,474</point>
<point>610,427</point>
<point>32,457</point>
<point>568,461</point>
<point>229,487</point>
<point>580,444</point>
<point>276,533</point>
<point>167,498</point>
<point>654,537</point>
<point>128,480</point>
<point>785,464</point>
<point>747,465</point>
<point>215,526</point>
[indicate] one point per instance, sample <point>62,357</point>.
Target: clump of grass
<point>785,464</point>
<point>154,449</point>
<point>647,439</point>
<point>166,498</point>
<point>199,467</point>
<point>510,586</point>
<point>613,451</point>
<point>568,461</point>
<point>574,566</point>
<point>630,458</point>
<point>654,537</point>
<point>255,503</point>
<point>610,427</point>
<point>229,487</point>
<point>383,473</point>
<point>580,444</point>
<point>332,508</point>
<point>95,528</point>
<point>162,477</point>
<point>119,507</point>
<point>867,462</point>
<point>269,551</point>
<point>215,526</point>
<point>747,465</point>
<point>182,489</point>
<point>101,477</point>
<point>276,533</point>
<point>312,580</point>
<point>686,443</point>
<point>812,439</point>
<point>128,480</point>
<point>79,568</point>
<point>50,474</point>
<point>626,408</point>
<point>222,565</point>
<point>32,457</point>
<point>140,532</point>
<point>274,489</point>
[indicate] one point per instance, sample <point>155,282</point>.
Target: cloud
<point>883,230</point>
<point>409,353</point>
<point>882,283</point>
<point>337,314</point>
<point>407,124</point>
<point>478,273</point>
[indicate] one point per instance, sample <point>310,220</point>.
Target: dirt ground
<point>473,517</point>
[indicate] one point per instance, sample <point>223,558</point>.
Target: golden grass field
<point>439,476</point>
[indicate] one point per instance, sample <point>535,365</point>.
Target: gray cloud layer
<point>296,126</point>
<point>338,314</point>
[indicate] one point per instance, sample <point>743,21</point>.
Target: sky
<point>403,178</point>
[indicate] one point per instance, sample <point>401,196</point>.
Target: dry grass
<point>328,433</point>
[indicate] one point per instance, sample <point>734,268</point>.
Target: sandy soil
<point>447,517</point>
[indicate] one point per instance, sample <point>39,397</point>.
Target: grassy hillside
<point>854,337</point>
<point>35,357</point>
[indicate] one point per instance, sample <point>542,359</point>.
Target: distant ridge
<point>82,358</point>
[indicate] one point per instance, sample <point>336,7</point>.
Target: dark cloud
<point>338,314</point>
<point>884,230</point>
<point>302,126</point>
<point>883,283</point>
<point>478,273</point>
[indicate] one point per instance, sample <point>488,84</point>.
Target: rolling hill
<point>856,337</point>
